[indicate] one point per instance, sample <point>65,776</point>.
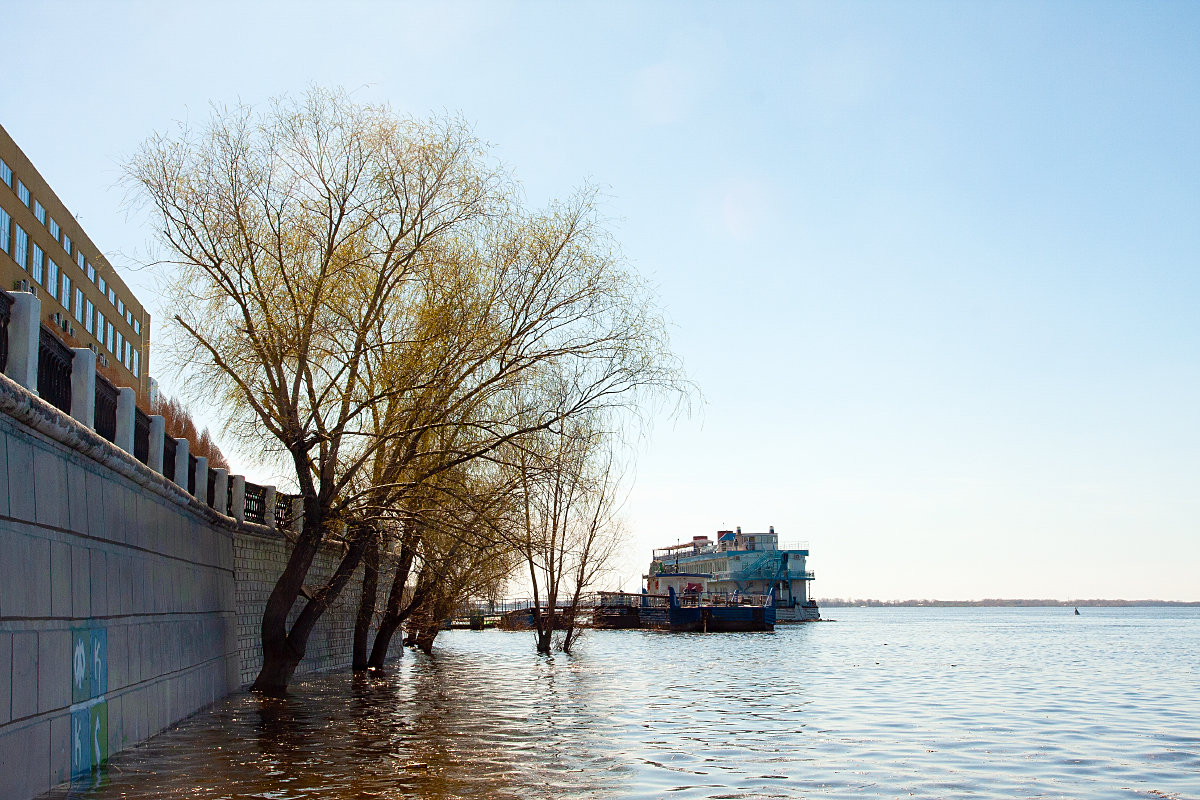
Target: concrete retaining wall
<point>125,604</point>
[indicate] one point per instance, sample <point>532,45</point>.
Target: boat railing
<point>723,599</point>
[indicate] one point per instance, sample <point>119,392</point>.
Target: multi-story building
<point>44,250</point>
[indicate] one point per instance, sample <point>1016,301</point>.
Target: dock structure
<point>479,614</point>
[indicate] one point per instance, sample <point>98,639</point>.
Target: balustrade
<point>105,419</point>
<point>6,302</point>
<point>54,371</point>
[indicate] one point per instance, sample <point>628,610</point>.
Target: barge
<point>737,565</point>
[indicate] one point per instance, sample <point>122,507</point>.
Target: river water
<point>925,702</point>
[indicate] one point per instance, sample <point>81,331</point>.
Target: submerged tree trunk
<point>283,650</point>
<point>366,603</point>
<point>393,614</point>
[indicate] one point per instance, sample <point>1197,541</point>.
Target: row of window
<point>44,271</point>
<point>39,211</point>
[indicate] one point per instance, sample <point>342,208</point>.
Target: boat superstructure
<point>735,564</point>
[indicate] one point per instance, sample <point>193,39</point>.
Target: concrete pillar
<point>181,463</point>
<point>126,409</point>
<point>221,490</point>
<point>237,500</point>
<point>24,336</point>
<point>269,506</point>
<point>297,515</point>
<point>83,386</point>
<point>158,429</point>
<point>202,480</point>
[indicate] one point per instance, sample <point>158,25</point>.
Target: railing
<point>141,435</point>
<point>256,497</point>
<point>168,457</point>
<point>191,476</point>
<point>283,510</point>
<point>6,302</point>
<point>54,371</point>
<point>106,408</point>
<point>50,364</point>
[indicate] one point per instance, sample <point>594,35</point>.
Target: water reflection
<point>936,703</point>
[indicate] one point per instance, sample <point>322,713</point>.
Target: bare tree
<point>569,530</point>
<point>297,238</point>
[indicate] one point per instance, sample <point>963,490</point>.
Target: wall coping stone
<point>34,412</point>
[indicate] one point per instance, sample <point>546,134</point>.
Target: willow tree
<point>530,321</point>
<point>297,238</point>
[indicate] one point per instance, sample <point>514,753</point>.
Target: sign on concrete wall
<point>89,707</point>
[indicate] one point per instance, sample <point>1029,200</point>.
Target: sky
<point>935,266</point>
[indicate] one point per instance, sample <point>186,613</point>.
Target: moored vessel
<point>737,565</point>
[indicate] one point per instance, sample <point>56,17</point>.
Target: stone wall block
<point>60,579</point>
<point>158,429</point>
<point>126,412</point>
<point>76,498</point>
<point>24,674</point>
<point>20,472</point>
<point>24,336</point>
<point>83,386</point>
<point>50,489</point>
<point>54,670</point>
<point>81,586</point>
<point>181,464</point>
<point>202,480</point>
<point>237,499</point>
<point>99,583</point>
<point>269,506</point>
<point>5,677</point>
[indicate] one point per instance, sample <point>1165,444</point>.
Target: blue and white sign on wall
<point>89,708</point>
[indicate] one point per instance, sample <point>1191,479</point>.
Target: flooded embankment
<point>993,703</point>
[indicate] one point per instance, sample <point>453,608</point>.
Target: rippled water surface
<point>994,703</point>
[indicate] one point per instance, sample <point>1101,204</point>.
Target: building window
<point>52,277</point>
<point>120,306</point>
<point>89,317</point>
<point>5,227</point>
<point>79,260</point>
<point>108,330</point>
<point>99,326</point>
<point>128,355</point>
<point>5,173</point>
<point>21,251</point>
<point>35,266</point>
<point>66,243</point>
<point>91,272</point>
<point>136,364</point>
<point>137,327</point>
<point>22,192</point>
<point>39,211</point>
<point>79,305</point>
<point>120,345</point>
<point>54,229</point>
<point>65,297</point>
<point>112,296</point>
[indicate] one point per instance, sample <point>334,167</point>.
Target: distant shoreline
<point>838,602</point>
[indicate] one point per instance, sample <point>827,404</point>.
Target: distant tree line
<point>449,378</point>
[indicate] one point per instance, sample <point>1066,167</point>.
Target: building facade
<point>44,250</point>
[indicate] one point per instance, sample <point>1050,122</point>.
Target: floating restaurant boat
<point>736,567</point>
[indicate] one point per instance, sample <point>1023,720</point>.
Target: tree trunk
<point>283,650</point>
<point>392,617</point>
<point>366,604</point>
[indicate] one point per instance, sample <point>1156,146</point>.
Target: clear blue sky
<point>936,266</point>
